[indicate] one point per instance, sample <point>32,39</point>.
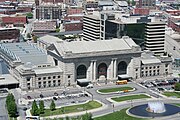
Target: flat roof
<point>95,46</point>
<point>150,61</point>
<point>47,70</point>
<point>48,39</point>
<point>7,79</point>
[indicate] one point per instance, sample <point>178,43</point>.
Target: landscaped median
<point>130,97</point>
<point>172,94</point>
<point>71,109</point>
<point>115,90</point>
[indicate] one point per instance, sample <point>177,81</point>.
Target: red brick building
<point>9,35</point>
<point>141,11</point>
<point>174,23</point>
<point>73,26</point>
<point>173,12</point>
<point>14,20</point>
<point>74,17</point>
<point>8,0</point>
<point>74,10</point>
<point>25,9</point>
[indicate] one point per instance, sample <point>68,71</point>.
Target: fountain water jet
<point>156,107</point>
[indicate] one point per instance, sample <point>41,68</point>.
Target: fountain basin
<point>141,111</point>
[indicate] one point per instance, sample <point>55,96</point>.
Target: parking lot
<point>61,98</point>
<point>161,85</point>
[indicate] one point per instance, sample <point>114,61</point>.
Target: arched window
<point>122,68</point>
<point>81,72</point>
<point>102,70</point>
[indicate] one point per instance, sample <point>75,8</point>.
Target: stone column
<point>94,70</point>
<point>115,68</point>
<point>90,71</point>
<point>110,70</point>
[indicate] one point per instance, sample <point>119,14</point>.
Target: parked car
<point>89,86</point>
<point>41,95</point>
<point>164,82</point>
<point>171,82</point>
<point>54,98</point>
<point>161,89</point>
<point>55,93</point>
<point>28,97</point>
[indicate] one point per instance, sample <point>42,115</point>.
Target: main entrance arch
<point>81,72</point>
<point>122,68</point>
<point>102,70</point>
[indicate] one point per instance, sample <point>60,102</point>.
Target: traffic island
<point>116,90</point>
<point>72,109</point>
<point>130,97</point>
<point>172,94</point>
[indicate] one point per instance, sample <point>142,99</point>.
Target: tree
<point>67,118</point>
<point>41,107</point>
<point>177,87</point>
<point>11,105</point>
<point>87,116</point>
<point>57,29</point>
<point>9,98</point>
<point>35,38</point>
<point>133,2</point>
<point>29,15</point>
<point>12,109</point>
<point>52,106</point>
<point>34,109</point>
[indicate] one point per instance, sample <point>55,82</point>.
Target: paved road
<point>3,111</point>
<point>109,106</point>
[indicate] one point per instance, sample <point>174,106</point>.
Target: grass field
<point>130,97</point>
<point>119,115</point>
<point>108,90</point>
<point>171,94</point>
<point>74,108</point>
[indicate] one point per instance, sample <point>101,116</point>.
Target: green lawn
<point>130,97</point>
<point>108,90</point>
<point>73,108</point>
<point>171,94</point>
<point>119,115</point>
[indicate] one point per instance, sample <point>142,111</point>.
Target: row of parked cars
<point>57,96</point>
<point>158,83</point>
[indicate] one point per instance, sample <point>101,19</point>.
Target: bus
<point>121,82</point>
<point>32,118</point>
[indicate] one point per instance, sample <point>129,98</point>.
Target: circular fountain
<point>154,109</point>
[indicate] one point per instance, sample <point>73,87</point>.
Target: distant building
<point>9,35</point>
<point>15,20</point>
<point>91,28</point>
<point>141,11</point>
<point>44,26</point>
<point>74,10</point>
<point>48,11</point>
<point>155,37</point>
<point>146,3</point>
<point>73,26</point>
<point>74,17</point>
<point>174,23</point>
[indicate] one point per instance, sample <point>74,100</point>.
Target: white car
<point>89,86</point>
